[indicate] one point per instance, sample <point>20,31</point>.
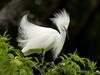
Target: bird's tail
<point>23,31</point>
<point>61,18</point>
<point>24,21</point>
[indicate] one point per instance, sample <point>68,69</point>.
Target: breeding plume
<point>36,39</point>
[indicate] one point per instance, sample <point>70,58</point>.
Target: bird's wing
<point>26,33</point>
<point>44,41</point>
<point>31,32</point>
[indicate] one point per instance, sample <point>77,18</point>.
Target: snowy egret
<point>36,39</point>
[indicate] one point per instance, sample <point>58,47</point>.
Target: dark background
<point>84,29</point>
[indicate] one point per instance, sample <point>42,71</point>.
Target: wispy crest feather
<point>60,18</point>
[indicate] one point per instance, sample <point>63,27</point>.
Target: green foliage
<point>74,65</point>
<point>12,62</point>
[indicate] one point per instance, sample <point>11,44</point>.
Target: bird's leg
<point>42,56</point>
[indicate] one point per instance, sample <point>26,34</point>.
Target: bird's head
<point>61,19</point>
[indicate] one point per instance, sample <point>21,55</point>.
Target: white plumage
<point>35,39</point>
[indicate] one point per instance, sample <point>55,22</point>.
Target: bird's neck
<point>63,34</point>
<point>60,43</point>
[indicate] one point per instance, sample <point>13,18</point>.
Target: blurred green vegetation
<point>12,62</point>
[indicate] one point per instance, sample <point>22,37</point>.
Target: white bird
<point>36,39</point>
